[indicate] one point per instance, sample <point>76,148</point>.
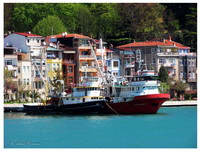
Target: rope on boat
<point>112,108</point>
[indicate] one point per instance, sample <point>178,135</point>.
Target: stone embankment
<point>179,103</point>
<point>15,107</point>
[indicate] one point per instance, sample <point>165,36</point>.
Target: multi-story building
<point>175,57</point>
<point>10,72</point>
<point>128,62</point>
<point>155,54</point>
<point>188,69</point>
<point>53,62</point>
<point>78,57</point>
<point>32,45</point>
<point>113,64</point>
<point>24,71</point>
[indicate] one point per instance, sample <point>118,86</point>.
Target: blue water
<point>169,128</point>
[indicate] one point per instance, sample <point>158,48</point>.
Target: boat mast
<point>100,71</point>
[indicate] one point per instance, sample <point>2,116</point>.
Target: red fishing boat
<point>140,96</point>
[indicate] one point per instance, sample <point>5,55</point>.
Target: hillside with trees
<point>116,23</point>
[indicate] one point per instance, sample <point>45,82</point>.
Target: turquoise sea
<point>170,128</point>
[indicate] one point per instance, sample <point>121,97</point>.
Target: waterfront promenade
<point>179,103</point>
<point>19,107</point>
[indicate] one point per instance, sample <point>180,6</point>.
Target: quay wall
<point>20,108</point>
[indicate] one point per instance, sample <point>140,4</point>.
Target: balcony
<point>167,54</point>
<point>129,65</point>
<point>68,62</point>
<point>11,67</point>
<point>84,46</point>
<point>88,69</point>
<point>172,65</point>
<point>86,57</point>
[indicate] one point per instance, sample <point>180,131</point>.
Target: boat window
<point>94,97</point>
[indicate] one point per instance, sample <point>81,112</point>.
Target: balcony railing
<point>68,62</point>
<point>129,65</point>
<point>167,54</point>
<point>87,56</point>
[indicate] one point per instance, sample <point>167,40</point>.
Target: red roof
<point>70,35</point>
<point>147,43</point>
<point>28,34</point>
<point>153,43</point>
<point>170,42</point>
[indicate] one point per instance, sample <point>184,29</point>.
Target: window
<point>28,40</point>
<point>99,57</point>
<point>154,60</point>
<point>108,63</point>
<point>38,63</point>
<point>70,79</point>
<point>153,50</point>
<point>37,74</point>
<point>44,73</point>
<point>24,68</point>
<point>38,41</point>
<point>161,60</point>
<point>115,63</point>
<point>70,69</point>
<point>24,81</point>
<point>27,82</point>
<point>8,62</point>
<point>115,73</point>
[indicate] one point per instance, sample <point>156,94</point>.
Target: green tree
<point>8,9</point>
<point>84,21</point>
<point>144,21</point>
<point>105,19</point>
<point>163,74</point>
<point>68,13</point>
<point>172,25</point>
<point>179,87</point>
<point>49,26</point>
<point>26,15</point>
<point>190,32</point>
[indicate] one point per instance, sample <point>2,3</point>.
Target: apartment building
<point>175,57</point>
<point>155,54</point>
<point>10,72</point>
<point>31,45</point>
<point>78,58</point>
<point>113,63</point>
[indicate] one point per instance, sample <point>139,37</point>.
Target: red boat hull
<point>146,104</point>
